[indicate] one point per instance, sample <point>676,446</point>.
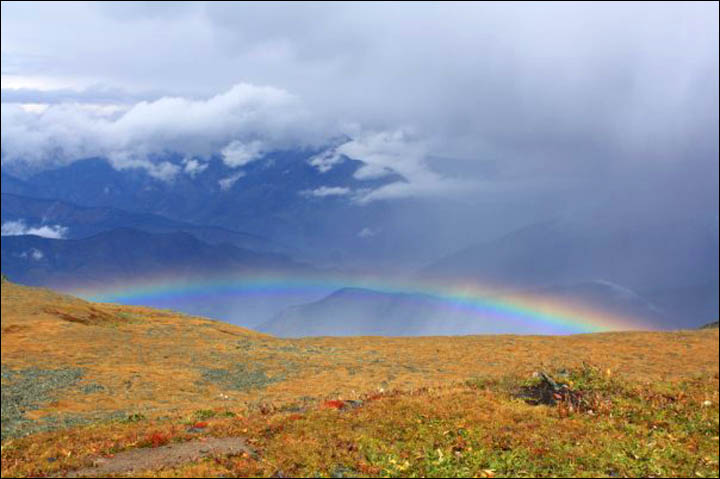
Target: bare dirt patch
<point>164,456</point>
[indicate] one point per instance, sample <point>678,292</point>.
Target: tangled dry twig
<point>552,393</point>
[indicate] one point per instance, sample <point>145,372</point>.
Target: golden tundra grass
<point>83,381</point>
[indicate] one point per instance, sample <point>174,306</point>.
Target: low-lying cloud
<point>228,182</point>
<point>396,153</point>
<point>242,125</point>
<point>367,232</point>
<point>238,153</point>
<point>33,253</point>
<point>324,191</point>
<point>194,167</point>
<point>237,123</point>
<point>18,228</point>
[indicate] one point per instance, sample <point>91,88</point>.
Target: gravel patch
<point>25,390</point>
<point>144,459</point>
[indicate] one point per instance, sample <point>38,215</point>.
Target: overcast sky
<point>460,98</point>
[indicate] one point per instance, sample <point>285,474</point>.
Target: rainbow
<point>491,307</point>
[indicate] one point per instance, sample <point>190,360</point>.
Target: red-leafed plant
<point>334,404</point>
<point>158,439</point>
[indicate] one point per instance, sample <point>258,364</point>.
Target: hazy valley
<point>86,384</point>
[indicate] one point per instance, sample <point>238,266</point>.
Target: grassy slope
<point>87,379</point>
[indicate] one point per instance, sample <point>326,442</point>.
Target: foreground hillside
<point>101,389</point>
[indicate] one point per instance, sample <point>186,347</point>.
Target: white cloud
<point>367,233</point>
<point>194,167</point>
<point>396,153</point>
<point>324,191</point>
<point>124,160</point>
<point>325,161</point>
<point>237,153</point>
<point>241,122</point>
<point>385,153</point>
<point>17,228</point>
<point>227,183</point>
<point>33,253</point>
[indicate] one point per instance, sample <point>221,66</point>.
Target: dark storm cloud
<point>546,93</point>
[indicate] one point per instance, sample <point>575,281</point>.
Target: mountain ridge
<point>84,221</point>
<point>125,254</point>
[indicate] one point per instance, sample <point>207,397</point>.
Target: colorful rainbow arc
<point>531,311</point>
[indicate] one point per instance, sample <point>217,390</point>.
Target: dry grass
<point>145,372</point>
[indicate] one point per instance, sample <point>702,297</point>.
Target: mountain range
<point>279,215</point>
<point>310,213</point>
<point>81,221</point>
<point>125,254</point>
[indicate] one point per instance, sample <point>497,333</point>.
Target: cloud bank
<point>237,123</point>
<point>243,124</point>
<point>510,93</point>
